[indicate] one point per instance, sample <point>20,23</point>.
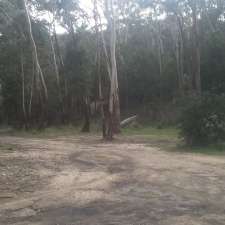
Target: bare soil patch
<point>82,180</point>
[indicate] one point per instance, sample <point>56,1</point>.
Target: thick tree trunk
<point>98,65</point>
<point>87,112</point>
<point>110,110</point>
<point>108,131</point>
<point>114,104</point>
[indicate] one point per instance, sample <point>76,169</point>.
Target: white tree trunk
<point>34,50</point>
<point>114,104</point>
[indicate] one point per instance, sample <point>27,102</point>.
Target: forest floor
<point>81,180</point>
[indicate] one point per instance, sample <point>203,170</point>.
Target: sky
<point>85,5</point>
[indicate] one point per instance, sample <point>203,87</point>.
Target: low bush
<point>203,120</point>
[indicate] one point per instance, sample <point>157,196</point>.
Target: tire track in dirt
<point>82,180</point>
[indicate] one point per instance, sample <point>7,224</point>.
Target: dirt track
<point>83,181</point>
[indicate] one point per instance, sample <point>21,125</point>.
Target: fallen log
<point>128,121</point>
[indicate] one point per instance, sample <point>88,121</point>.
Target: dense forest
<point>113,60</point>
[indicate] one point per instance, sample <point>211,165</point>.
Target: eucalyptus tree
<point>12,37</point>
<point>17,19</point>
<point>114,104</point>
<point>109,93</point>
<point>134,53</point>
<point>51,8</point>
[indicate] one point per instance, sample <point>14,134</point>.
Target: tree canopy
<point>123,56</point>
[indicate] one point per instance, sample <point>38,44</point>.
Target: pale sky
<point>86,5</point>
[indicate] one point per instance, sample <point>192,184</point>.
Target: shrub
<point>203,120</point>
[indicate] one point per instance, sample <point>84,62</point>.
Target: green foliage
<point>216,149</point>
<point>7,148</point>
<point>152,131</point>
<point>203,120</point>
<point>144,87</point>
<point>213,66</point>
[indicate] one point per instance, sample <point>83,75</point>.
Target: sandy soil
<point>84,181</point>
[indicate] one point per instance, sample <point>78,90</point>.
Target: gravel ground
<point>83,181</point>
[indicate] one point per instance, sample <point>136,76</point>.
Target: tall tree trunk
<point>111,108</point>
<point>39,90</point>
<point>87,112</point>
<point>56,68</point>
<point>180,56</point>
<point>114,104</point>
<point>160,55</point>
<point>64,88</point>
<point>34,50</point>
<point>58,51</point>
<point>196,51</point>
<point>54,60</point>
<point>98,65</point>
<point>31,90</point>
<point>23,90</point>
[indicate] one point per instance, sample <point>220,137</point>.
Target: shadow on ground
<point>82,181</point>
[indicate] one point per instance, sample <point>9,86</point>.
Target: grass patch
<point>164,138</point>
<point>153,132</point>
<point>213,149</point>
<point>8,147</point>
<point>49,132</point>
<point>167,138</point>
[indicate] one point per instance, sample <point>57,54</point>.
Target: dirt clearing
<point>83,181</point>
